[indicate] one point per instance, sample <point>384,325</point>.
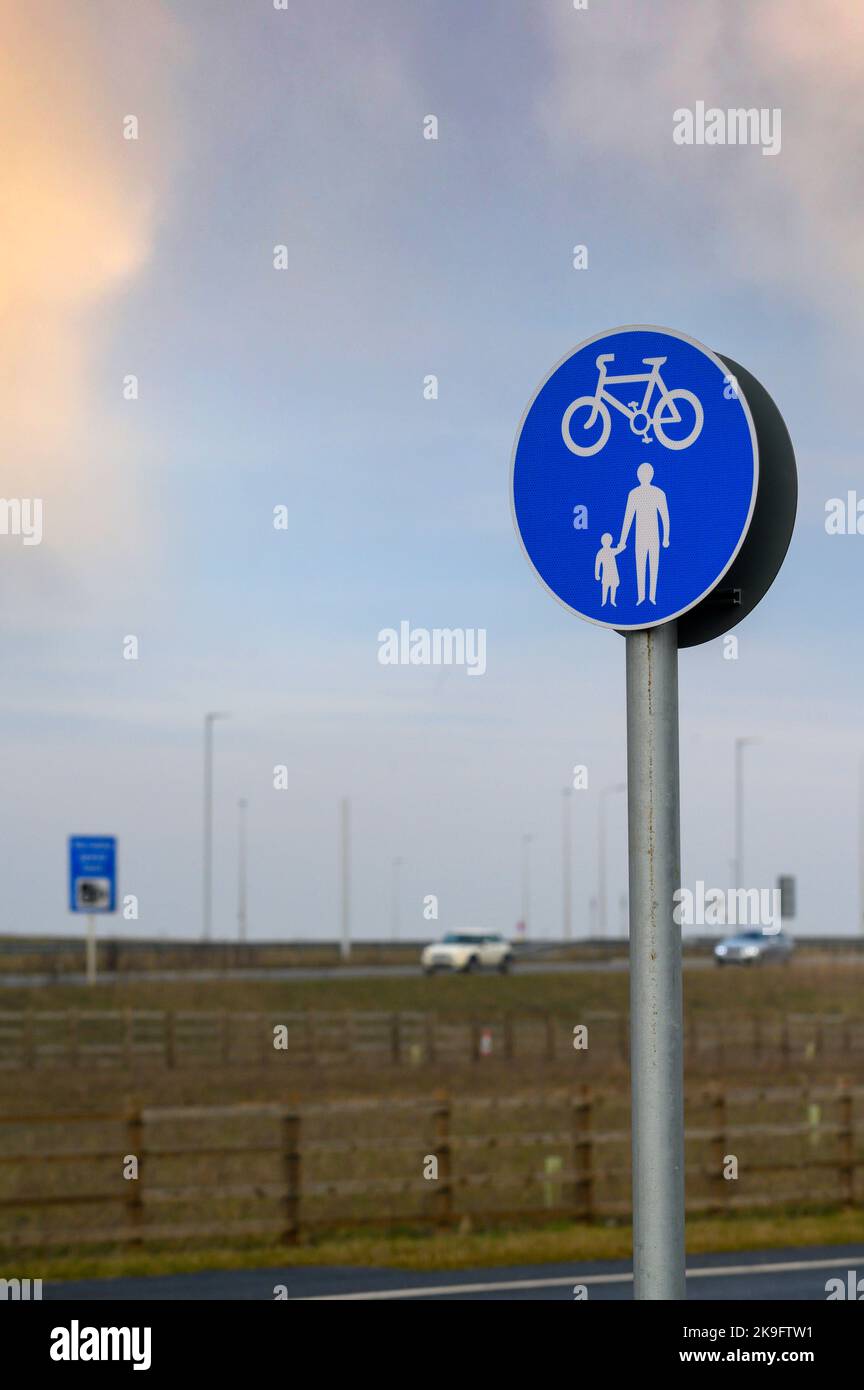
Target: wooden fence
<point>275,1172</point>
<point>136,1037</point>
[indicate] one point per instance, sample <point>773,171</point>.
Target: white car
<point>467,951</point>
<point>754,948</point>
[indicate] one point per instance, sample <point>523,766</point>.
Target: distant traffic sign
<point>635,475</point>
<point>786,886</point>
<point>92,873</point>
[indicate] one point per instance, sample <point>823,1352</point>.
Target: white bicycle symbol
<point>665,413</point>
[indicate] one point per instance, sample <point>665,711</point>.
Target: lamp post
<point>740,745</point>
<point>394,906</point>
<point>207,856</point>
<point>566,866</point>
<point>601,856</point>
<point>345,873</point>
<point>241,868</point>
<point>526,881</point>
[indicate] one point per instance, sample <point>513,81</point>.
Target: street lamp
<point>207,895</point>
<point>526,881</point>
<point>241,868</point>
<point>601,855</point>
<point>566,865</point>
<point>345,875</point>
<point>394,912</point>
<point>738,876</point>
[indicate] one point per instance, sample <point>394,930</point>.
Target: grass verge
<point>463,1249</point>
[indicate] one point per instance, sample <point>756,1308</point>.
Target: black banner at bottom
<point>251,1337</point>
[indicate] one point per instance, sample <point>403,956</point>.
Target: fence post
<point>292,1170</point>
<point>134,1188</point>
<point>443,1194</point>
<point>847,1143</point>
<point>583,1155</point>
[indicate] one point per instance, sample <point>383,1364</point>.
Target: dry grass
<point>711,996</point>
<point>558,1242</point>
<point>808,985</point>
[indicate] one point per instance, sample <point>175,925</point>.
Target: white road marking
<point>561,1282</point>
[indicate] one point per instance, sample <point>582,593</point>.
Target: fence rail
<point>173,1039</point>
<point>278,1171</point>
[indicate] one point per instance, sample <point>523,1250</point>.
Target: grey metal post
<point>655,964</point>
<point>346,878</point>
<point>91,949</point>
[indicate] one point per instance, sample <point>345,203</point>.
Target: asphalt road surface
<point>760,1276</point>
<point>531,966</point>
<point>333,972</point>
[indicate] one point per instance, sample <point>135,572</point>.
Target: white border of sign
<point>586,342</point>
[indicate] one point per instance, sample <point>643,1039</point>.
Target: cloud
<point>618,75</point>
<point>81,208</point>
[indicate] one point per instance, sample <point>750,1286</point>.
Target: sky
<point>261,387</point>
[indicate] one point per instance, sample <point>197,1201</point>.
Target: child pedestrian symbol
<point>606,568</point>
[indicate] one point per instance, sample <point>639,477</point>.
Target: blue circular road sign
<point>635,474</point>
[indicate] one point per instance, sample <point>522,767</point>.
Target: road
<point>332,972</point>
<point>369,972</point>
<point>796,1275</point>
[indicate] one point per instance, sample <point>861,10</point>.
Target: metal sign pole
<point>654,830</point>
<point>91,949</point>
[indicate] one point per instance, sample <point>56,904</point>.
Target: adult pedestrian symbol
<point>635,475</point>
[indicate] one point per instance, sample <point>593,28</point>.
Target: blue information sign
<point>92,873</point>
<point>635,475</point>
